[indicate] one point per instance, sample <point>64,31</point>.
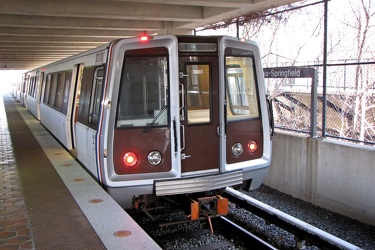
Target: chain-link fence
<point>335,38</point>
<point>350,112</point>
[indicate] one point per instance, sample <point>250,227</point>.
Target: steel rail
<point>249,239</point>
<point>297,227</point>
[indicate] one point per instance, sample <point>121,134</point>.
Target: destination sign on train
<point>292,72</point>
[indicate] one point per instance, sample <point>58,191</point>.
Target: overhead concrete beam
<point>16,65</point>
<point>11,45</point>
<point>103,9</point>
<point>169,29</point>
<point>27,21</point>
<point>215,15</point>
<point>215,3</point>
<point>66,39</point>
<point>38,50</point>
<point>40,60</point>
<point>28,57</point>
<point>32,61</point>
<point>215,11</point>
<point>207,3</point>
<point>68,32</point>
<point>36,54</point>
<point>25,44</point>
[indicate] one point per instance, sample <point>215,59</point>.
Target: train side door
<point>78,71</point>
<point>199,114</point>
<point>39,93</point>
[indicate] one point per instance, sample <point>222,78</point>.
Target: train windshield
<point>143,100</point>
<point>242,97</point>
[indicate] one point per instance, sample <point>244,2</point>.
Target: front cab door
<point>199,114</point>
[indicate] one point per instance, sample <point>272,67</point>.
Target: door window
<point>96,96</point>
<point>198,94</point>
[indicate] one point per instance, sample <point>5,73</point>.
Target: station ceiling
<point>36,32</point>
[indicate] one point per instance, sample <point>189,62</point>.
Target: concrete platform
<point>47,200</point>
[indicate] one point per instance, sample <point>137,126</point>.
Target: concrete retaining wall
<point>337,176</point>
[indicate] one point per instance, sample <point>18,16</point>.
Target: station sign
<point>300,72</point>
<point>291,72</point>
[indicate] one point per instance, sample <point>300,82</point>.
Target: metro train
<point>159,115</point>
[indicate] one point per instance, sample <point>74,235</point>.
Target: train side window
<point>52,90</point>
<point>33,86</point>
<point>59,90</point>
<point>31,82</point>
<point>143,99</point>
<point>47,88</point>
<point>241,90</point>
<point>96,94</point>
<point>66,91</point>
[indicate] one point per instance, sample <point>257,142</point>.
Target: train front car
<point>182,115</point>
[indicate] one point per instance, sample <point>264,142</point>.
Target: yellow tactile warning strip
<point>14,225</point>
<point>55,220</point>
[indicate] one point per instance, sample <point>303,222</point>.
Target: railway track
<point>301,230</point>
<point>249,240</point>
<point>171,228</point>
<point>219,233</point>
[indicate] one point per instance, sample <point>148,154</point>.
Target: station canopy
<point>35,32</point>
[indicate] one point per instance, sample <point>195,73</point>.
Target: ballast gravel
<point>350,230</point>
<point>353,231</point>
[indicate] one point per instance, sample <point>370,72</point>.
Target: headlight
<point>237,149</point>
<point>154,158</point>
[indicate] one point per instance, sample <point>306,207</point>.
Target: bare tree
<point>359,22</point>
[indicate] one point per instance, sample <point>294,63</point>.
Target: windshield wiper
<point>148,128</point>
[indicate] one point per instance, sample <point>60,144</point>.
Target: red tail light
<point>144,38</point>
<point>130,160</point>
<point>252,146</point>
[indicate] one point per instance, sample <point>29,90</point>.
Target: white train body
<point>169,115</point>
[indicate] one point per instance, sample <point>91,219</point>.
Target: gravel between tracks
<point>350,230</point>
<point>353,231</point>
